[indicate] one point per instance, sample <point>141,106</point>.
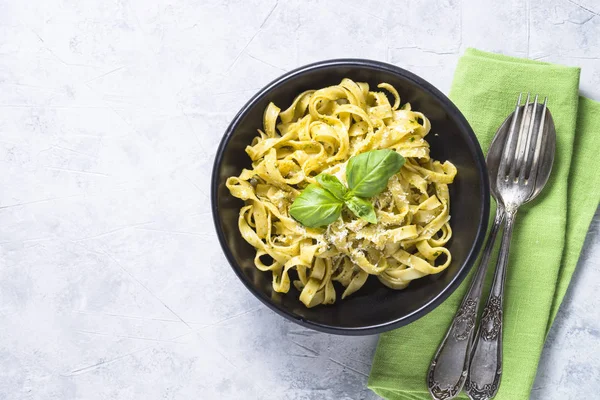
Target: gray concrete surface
<point>112,283</point>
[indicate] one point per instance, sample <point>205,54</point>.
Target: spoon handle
<point>448,368</point>
<point>485,367</point>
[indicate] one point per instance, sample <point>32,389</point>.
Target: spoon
<point>449,367</point>
<point>524,168</point>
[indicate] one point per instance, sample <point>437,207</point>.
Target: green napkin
<point>548,235</point>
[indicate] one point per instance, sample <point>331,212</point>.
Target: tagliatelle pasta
<point>318,133</point>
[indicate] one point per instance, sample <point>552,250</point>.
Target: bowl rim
<point>473,146</point>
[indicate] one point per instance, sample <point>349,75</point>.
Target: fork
<point>523,147</point>
<point>526,153</point>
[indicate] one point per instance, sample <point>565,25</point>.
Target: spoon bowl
<point>497,146</point>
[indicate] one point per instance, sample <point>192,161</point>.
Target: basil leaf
<point>362,208</point>
<point>333,184</point>
<point>368,173</point>
<point>316,207</point>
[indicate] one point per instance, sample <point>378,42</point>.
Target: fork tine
<point>508,154</point>
<point>518,149</point>
<point>540,144</point>
<point>525,155</point>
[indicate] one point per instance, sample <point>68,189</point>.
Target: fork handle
<point>485,370</point>
<point>448,369</point>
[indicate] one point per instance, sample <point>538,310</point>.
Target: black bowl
<point>374,308</point>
